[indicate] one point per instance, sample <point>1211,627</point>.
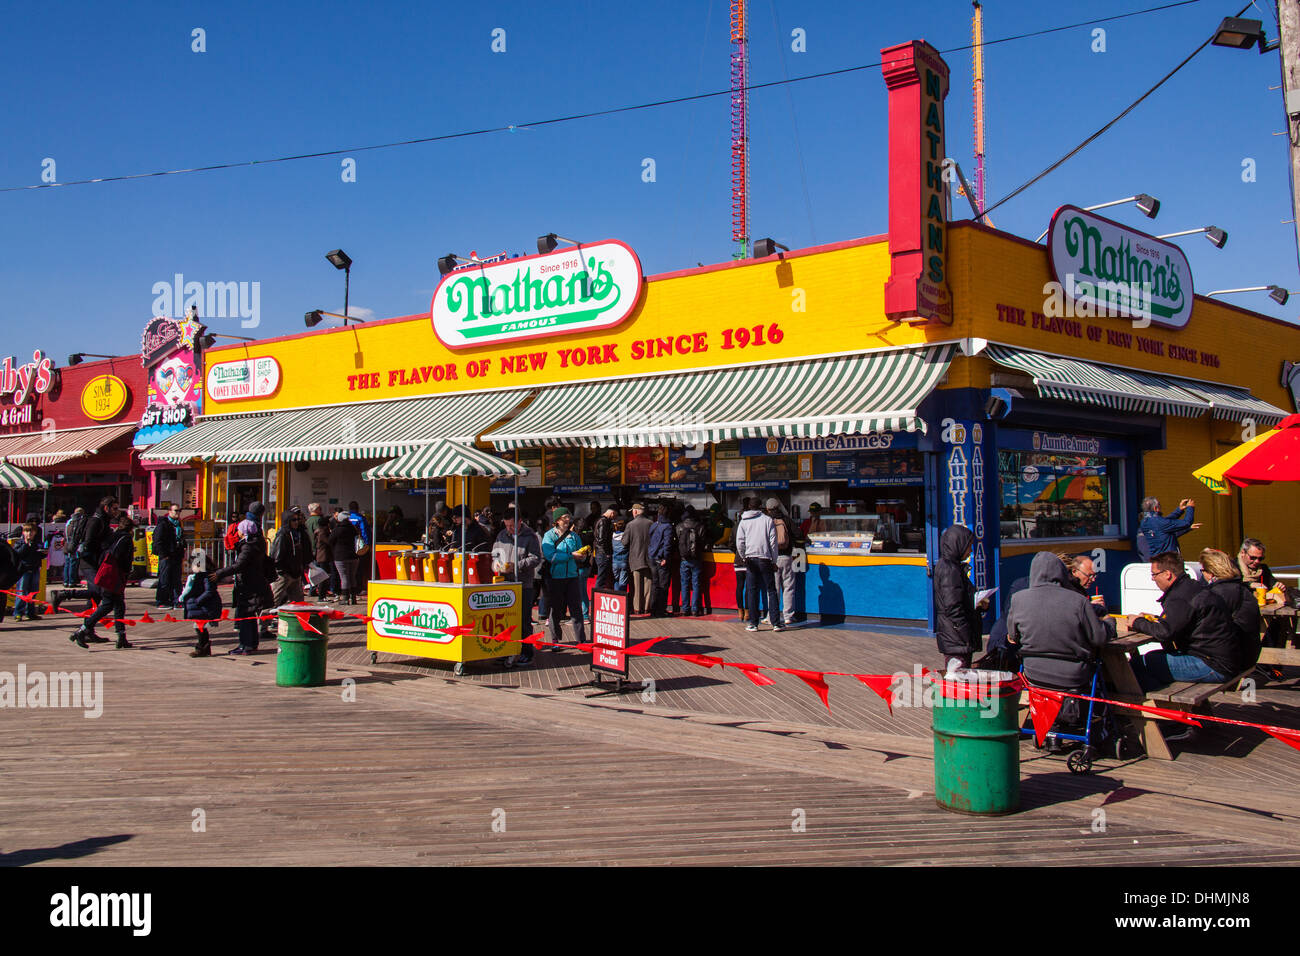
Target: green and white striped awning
<point>1074,380</point>
<point>446,459</point>
<point>13,478</point>
<point>367,430</point>
<point>204,438</point>
<point>1125,389</point>
<point>878,391</point>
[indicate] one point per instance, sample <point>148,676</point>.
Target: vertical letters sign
<point>917,288</point>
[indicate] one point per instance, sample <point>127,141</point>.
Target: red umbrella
<point>1275,458</point>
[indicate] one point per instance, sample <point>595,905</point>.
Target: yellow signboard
<point>104,397</point>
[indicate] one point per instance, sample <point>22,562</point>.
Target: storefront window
<point>1058,496</point>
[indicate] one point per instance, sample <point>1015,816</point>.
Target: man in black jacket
<point>1200,644</point>
<point>602,547</point>
<point>291,552</point>
<point>169,546</point>
<point>957,627</point>
<point>90,551</point>
<point>252,594</point>
<point>1058,634</point>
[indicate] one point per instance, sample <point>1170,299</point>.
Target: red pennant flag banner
<point>405,619</point>
<point>752,671</point>
<point>1044,705</point>
<point>884,686</point>
<point>1289,737</point>
<point>305,620</point>
<point>641,648</point>
<point>814,679</point>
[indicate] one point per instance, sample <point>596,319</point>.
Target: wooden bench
<point>1186,696</point>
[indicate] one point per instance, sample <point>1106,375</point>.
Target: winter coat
<point>476,539</point>
<point>956,622</point>
<point>248,570</point>
<point>526,558</point>
<point>93,541</point>
<point>8,565</point>
<point>27,557</point>
<point>691,524</point>
<point>291,549</point>
<point>1162,532</point>
<point>200,598</point>
<point>321,540</point>
<point>756,536</point>
<point>636,538</point>
<point>602,542</point>
<point>661,540</point>
<point>1239,600</point>
<point>342,541</point>
<point>168,538</point>
<point>1053,623</point>
<point>558,549</point>
<point>1195,622</point>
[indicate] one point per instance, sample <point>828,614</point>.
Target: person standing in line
<point>618,554</point>
<point>660,552</point>
<point>558,547</point>
<point>785,583</point>
<point>118,556</point>
<point>169,546</point>
<point>741,591</point>
<point>343,549</point>
<point>519,562</point>
<point>291,552</point>
<point>361,571</point>
<point>73,532</point>
<point>756,547</point>
<point>957,628</point>
<point>636,538</point>
<point>602,547</point>
<point>690,547</point>
<point>252,590</point>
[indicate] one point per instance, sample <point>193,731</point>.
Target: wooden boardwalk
<point>419,767</point>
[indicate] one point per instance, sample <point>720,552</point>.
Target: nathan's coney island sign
<point>578,289</point>
<point>1108,270</point>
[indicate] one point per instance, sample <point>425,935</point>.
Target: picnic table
<point>1279,655</point>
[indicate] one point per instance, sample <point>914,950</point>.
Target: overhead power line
<point>612,111</point>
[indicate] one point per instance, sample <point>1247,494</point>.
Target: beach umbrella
<point>13,478</point>
<point>1072,488</point>
<point>1271,456</point>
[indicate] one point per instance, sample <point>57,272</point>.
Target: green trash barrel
<point>301,661</point>
<point>977,742</point>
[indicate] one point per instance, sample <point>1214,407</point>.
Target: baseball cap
<point>773,504</point>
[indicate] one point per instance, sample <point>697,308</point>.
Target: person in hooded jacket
<point>660,552</point>
<point>119,549</point>
<point>1055,629</point>
<point>343,548</point>
<point>756,547</point>
<point>292,552</point>
<point>202,603</point>
<point>957,628</point>
<point>252,590</point>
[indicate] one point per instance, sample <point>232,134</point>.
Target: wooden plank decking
<point>709,771</point>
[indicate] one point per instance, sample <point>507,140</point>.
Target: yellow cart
<point>425,618</point>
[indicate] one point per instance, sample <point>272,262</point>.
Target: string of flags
<point>1044,704</point>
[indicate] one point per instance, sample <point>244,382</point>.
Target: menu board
<point>726,449</point>
<point>602,466</point>
<point>841,467</point>
<point>563,467</point>
<point>773,467</point>
<point>905,464</point>
<point>645,465</point>
<point>530,458</point>
<point>690,463</point>
<point>731,469</point>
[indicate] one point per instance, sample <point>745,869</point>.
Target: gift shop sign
<point>566,292</point>
<point>1113,271</point>
<point>248,378</point>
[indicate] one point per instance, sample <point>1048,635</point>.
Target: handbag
<point>108,577</point>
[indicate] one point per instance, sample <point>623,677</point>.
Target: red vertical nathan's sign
<point>917,288</point>
<point>609,628</point>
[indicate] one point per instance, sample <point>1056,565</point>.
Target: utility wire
<point>612,111</point>
<point>1132,106</point>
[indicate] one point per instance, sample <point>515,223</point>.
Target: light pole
<point>341,260</point>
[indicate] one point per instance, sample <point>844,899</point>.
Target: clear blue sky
<point>111,91</point>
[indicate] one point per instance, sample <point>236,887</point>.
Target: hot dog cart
<point>443,605</point>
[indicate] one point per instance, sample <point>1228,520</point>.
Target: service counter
<point>487,609</point>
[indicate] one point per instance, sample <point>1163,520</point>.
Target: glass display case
<point>853,533</point>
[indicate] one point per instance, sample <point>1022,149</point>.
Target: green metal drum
<point>977,742</point>
<point>301,661</point>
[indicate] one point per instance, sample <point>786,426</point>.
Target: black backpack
<point>688,543</point>
<point>73,532</point>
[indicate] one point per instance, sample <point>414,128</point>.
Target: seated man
<point>1058,634</point>
<point>1083,576</point>
<point>1256,574</point>
<point>1200,644</point>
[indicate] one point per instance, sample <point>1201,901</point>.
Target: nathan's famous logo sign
<point>491,600</point>
<point>1109,270</point>
<point>565,292</point>
<point>429,617</point>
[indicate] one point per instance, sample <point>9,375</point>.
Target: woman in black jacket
<point>1224,579</point>
<point>119,554</point>
<point>343,538</point>
<point>957,627</point>
<point>252,590</point>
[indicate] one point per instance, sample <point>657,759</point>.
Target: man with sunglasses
<point>1195,629</point>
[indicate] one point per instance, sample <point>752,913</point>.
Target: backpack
<point>688,545</point>
<point>782,534</point>
<point>73,532</point>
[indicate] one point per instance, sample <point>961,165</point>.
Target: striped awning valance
<point>878,391</point>
<point>1074,380</point>
<point>204,438</point>
<point>445,459</point>
<point>45,449</point>
<point>1236,404</point>
<point>13,478</point>
<point>371,430</point>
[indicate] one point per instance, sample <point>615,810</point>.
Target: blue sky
<point>113,91</point>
